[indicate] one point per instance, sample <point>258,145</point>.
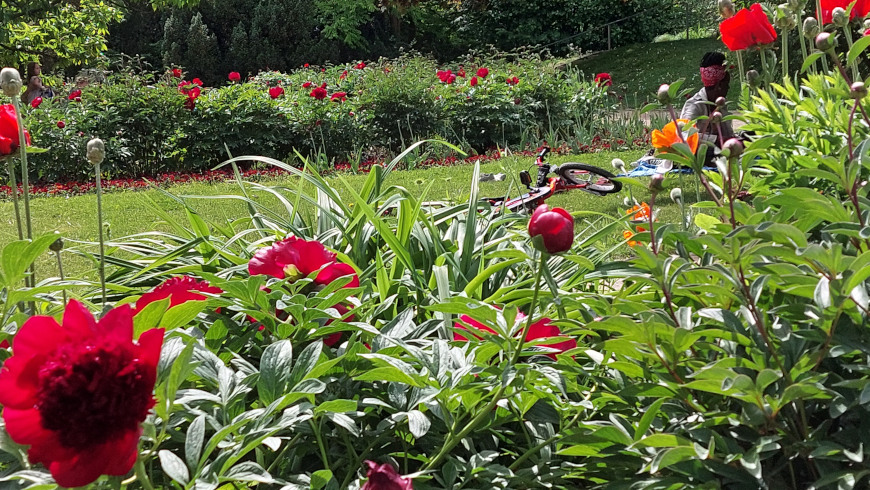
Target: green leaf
<point>305,363</point>
<point>174,467</point>
<point>857,48</point>
<point>336,406</point>
<point>194,440</point>
<point>182,314</point>
<point>149,317</point>
<point>649,414</point>
<point>670,457</point>
<point>418,423</point>
<point>275,366</point>
<point>320,478</point>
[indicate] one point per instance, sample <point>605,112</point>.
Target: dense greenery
<point>149,129</point>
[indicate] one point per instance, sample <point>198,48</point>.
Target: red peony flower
<point>603,80</point>
<point>197,81</point>
<point>445,76</point>
<point>473,81</point>
<point>461,73</point>
<point>75,94</point>
<point>539,330</point>
<point>360,66</point>
<point>861,8</point>
<point>176,72</point>
<point>318,93</point>
<point>512,81</point>
<point>747,28</point>
<point>385,477</point>
<point>35,102</point>
<point>180,289</point>
<point>297,258</point>
<point>9,140</point>
<point>343,75</point>
<point>305,65</point>
<point>190,103</point>
<point>234,76</point>
<point>482,72</point>
<point>194,93</point>
<point>555,227</point>
<point>61,124</point>
<point>338,96</point>
<point>307,85</point>
<point>77,393</point>
<point>276,92</point>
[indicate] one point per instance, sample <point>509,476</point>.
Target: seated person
<point>35,88</point>
<point>717,81</point>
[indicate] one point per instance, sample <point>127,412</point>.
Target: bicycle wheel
<point>594,179</point>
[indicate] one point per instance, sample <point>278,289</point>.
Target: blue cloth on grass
<point>647,168</point>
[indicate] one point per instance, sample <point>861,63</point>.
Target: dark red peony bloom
<point>555,227</point>
<point>385,477</point>
<point>77,393</point>
<point>343,75</point>
<point>9,139</point>
<point>176,72</point>
<point>482,72</point>
<point>276,92</point>
<point>297,258</point>
<point>360,66</point>
<point>190,103</point>
<point>539,330</point>
<point>61,124</point>
<point>861,8</point>
<point>318,93</point>
<point>461,73</point>
<point>197,81</point>
<point>338,96</point>
<point>35,102</point>
<point>180,289</point>
<point>307,85</point>
<point>512,81</point>
<point>446,76</point>
<point>603,80</point>
<point>234,76</point>
<point>75,94</point>
<point>473,81</point>
<point>747,28</point>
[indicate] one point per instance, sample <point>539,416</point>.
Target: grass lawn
<point>131,212</point>
<point>639,69</point>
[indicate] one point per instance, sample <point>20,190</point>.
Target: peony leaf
<point>174,466</point>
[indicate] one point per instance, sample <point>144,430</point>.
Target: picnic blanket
<point>649,167</point>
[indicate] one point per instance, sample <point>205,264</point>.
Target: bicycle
<point>569,176</point>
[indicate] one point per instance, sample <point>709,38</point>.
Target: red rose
<point>77,393</point>
<point>297,258</point>
<point>318,93</point>
<point>307,85</point>
<point>9,140</point>
<point>747,28</point>
<point>338,96</point>
<point>482,72</point>
<point>35,102</point>
<point>180,289</point>
<point>360,66</point>
<point>603,80</point>
<point>176,72</point>
<point>555,227</point>
<point>234,76</point>
<point>861,8</point>
<point>539,330</point>
<point>385,477</point>
<point>61,124</point>
<point>276,92</point>
<point>75,94</point>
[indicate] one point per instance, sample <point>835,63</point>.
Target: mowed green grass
<point>131,212</point>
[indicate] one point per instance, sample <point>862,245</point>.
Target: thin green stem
<point>785,72</point>
<point>854,64</point>
<point>16,101</point>
<point>100,227</point>
<point>540,272</point>
<point>13,185</point>
<point>142,475</point>
<point>323,457</point>
<point>740,66</point>
<point>60,272</point>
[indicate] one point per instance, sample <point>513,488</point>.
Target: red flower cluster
<point>307,85</point>
<point>9,137</point>
<point>35,102</point>
<point>512,81</point>
<point>861,8</point>
<point>176,72</point>
<point>276,92</point>
<point>360,66</point>
<point>747,28</point>
<point>77,393</point>
<point>180,289</point>
<point>343,75</point>
<point>75,95</point>
<point>338,97</point>
<point>473,81</point>
<point>446,76</point>
<point>234,76</point>
<point>192,90</point>
<point>555,227</point>
<point>482,72</point>
<point>603,80</point>
<point>319,93</point>
<point>385,477</point>
<point>61,124</point>
<point>539,330</point>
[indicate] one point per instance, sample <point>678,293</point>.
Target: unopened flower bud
<point>96,151</point>
<point>839,17</point>
<point>10,82</point>
<point>858,91</point>
<point>753,78</point>
<point>824,41</point>
<point>618,164</point>
<point>655,183</point>
<point>715,117</point>
<point>676,194</point>
<point>720,102</point>
<point>664,94</point>
<point>56,246</point>
<point>811,28</point>
<point>784,17</point>
<point>726,9</point>
<point>734,147</point>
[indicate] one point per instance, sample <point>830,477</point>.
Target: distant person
<point>717,81</point>
<point>35,88</point>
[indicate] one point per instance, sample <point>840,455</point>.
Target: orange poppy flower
<point>628,234</point>
<point>668,136</point>
<point>640,212</point>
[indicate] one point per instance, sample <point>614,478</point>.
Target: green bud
<point>811,28</point>
<point>664,94</point>
<point>96,151</point>
<point>858,91</point>
<point>839,17</point>
<point>734,147</point>
<point>753,78</point>
<point>10,82</point>
<point>824,42</point>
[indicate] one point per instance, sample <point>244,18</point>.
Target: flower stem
<point>60,272</point>
<point>24,177</point>
<point>100,227</point>
<point>740,66</point>
<point>854,64</point>
<point>785,72</point>
<point>540,272</point>
<point>13,185</point>
<point>142,475</point>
